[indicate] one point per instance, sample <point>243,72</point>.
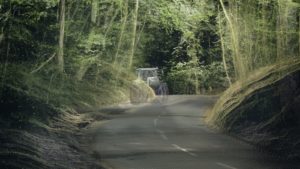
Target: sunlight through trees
<point>202,46</point>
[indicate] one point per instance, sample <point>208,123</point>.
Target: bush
<point>186,79</point>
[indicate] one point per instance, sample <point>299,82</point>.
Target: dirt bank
<point>264,110</point>
<point>35,135</point>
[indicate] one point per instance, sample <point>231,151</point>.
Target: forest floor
<point>35,135</point>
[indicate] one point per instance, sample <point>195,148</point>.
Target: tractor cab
<point>149,76</point>
<point>144,73</point>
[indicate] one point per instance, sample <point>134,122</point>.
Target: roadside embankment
<point>42,115</point>
<point>264,109</point>
<point>36,135</point>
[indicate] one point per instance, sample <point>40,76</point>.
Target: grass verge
<point>40,120</point>
<point>263,109</point>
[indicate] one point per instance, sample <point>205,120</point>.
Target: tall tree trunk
<point>4,71</point>
<point>132,48</point>
<point>238,65</point>
<point>299,33</point>
<point>265,54</point>
<point>94,12</point>
<point>122,31</point>
<point>1,35</point>
<point>196,83</point>
<point>281,30</point>
<point>60,55</point>
<point>8,48</point>
<point>223,50</point>
<point>109,27</point>
<point>139,34</point>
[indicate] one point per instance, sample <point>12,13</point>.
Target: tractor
<point>150,78</point>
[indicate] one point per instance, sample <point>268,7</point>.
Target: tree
<point>238,63</point>
<point>60,54</point>
<point>223,48</point>
<point>134,28</point>
<point>123,26</point>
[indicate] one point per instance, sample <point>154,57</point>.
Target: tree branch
<point>43,64</point>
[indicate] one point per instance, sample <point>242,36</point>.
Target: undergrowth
<point>61,90</point>
<point>40,114</point>
<point>263,109</point>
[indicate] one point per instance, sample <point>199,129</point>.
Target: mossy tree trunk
<point>134,28</point>
<point>237,59</point>
<point>94,11</point>
<point>223,48</point>
<point>123,26</point>
<point>60,55</point>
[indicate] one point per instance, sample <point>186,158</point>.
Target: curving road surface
<point>172,136</point>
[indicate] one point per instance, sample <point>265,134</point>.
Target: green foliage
<point>48,86</point>
<point>182,32</point>
<point>23,25</point>
<point>188,78</point>
<point>98,35</point>
<point>29,36</point>
<point>180,36</point>
<point>265,32</point>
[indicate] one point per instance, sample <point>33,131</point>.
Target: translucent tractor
<point>148,78</point>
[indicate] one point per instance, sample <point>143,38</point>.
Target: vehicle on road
<point>150,77</point>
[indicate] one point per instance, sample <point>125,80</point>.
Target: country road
<point>172,135</point>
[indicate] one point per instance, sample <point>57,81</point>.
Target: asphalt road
<point>172,136</point>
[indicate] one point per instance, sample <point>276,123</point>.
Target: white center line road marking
<point>136,143</point>
<point>162,134</point>
<point>225,165</point>
<point>155,122</point>
<point>184,150</point>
